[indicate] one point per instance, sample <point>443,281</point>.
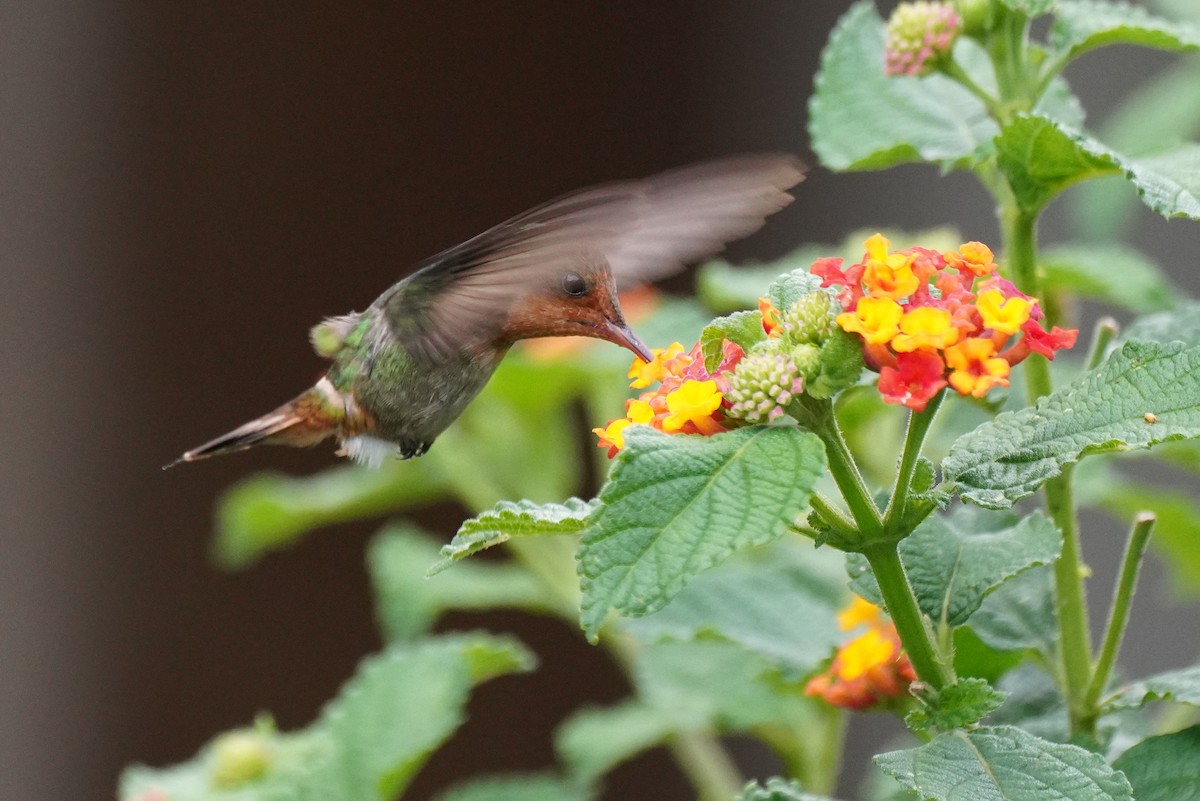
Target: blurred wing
<point>640,229</point>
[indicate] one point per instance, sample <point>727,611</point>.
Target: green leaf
<point>1081,25</point>
<point>698,684</point>
<point>860,119</point>
<point>976,659</point>
<point>408,602</point>
<point>1042,157</point>
<point>778,789</point>
<point>1004,764</point>
<point>841,362</point>
<point>270,511</point>
<point>531,787</point>
<point>956,706</point>
<point>1020,614</point>
<point>953,561</point>
<point>752,600</point>
<point>514,519</point>
<point>1178,325</point>
<point>593,741</point>
<point>368,742</point>
<point>1103,410</point>
<point>744,328</point>
<point>1111,273</point>
<point>1034,704</point>
<point>675,506</point>
<point>1165,768</point>
<point>1181,686</point>
<point>788,288</point>
<point>725,288</point>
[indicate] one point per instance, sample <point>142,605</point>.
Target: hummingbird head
<point>576,301</point>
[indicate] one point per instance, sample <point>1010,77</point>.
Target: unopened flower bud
<point>764,383</point>
<point>239,757</point>
<point>809,320</point>
<point>807,358</point>
<point>919,34</point>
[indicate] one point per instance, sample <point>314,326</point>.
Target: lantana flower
<point>869,670</point>
<point>688,400</point>
<point>919,35</point>
<point>960,324</point>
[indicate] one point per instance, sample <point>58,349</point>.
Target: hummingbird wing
<point>638,230</point>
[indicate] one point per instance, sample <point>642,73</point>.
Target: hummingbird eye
<point>574,285</point>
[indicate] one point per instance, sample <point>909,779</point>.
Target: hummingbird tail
<point>303,421</point>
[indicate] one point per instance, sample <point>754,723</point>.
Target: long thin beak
<point>622,334</point>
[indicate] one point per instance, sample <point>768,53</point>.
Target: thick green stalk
<point>1118,616</point>
<point>847,476</point>
<point>1070,599</point>
<point>906,614</point>
<point>914,438</point>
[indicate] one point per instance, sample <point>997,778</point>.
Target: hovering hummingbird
<point>405,368</point>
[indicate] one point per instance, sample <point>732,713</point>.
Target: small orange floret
<point>877,320</point>
<point>925,328</point>
<point>860,612</point>
<point>972,257</point>
<point>975,367</point>
<point>864,653</point>
<point>770,317</point>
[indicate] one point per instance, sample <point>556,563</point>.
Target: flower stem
<point>901,604</point>
<point>914,438</point>
<point>847,476</point>
<point>1070,598</point>
<point>1118,616</point>
<point>834,518</point>
<point>1105,332</point>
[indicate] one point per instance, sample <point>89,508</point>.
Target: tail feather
<point>298,423</point>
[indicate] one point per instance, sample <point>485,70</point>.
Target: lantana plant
<point>856,490</point>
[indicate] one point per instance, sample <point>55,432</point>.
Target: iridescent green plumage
<point>405,368</point>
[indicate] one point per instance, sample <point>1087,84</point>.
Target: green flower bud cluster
<point>763,383</point>
<point>809,321</point>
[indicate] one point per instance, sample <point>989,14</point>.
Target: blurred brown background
<point>187,187</point>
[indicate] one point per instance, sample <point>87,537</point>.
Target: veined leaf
<point>1165,768</point>
<point>777,789</point>
<point>752,600</point>
<point>514,519</point>
<point>675,506</point>
<point>408,602</point>
<point>1081,25</point>
<point>953,561</point>
<point>1004,764</point>
<point>1178,325</point>
<point>1142,394</point>
<point>1042,157</point>
<point>369,741</point>
<point>1181,686</point>
<point>860,119</point>
<point>1020,614</point>
<point>955,706</point>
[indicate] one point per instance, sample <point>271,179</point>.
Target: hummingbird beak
<point>621,334</point>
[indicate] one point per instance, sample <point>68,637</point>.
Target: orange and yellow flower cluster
<point>929,319</point>
<point>868,671</point>
<point>688,400</point>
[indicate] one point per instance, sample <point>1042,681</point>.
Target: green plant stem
<point>1118,616</point>
<point>834,518</point>
<point>914,438</point>
<point>952,70</point>
<point>1019,228</point>
<point>901,604</point>
<point>1105,332</point>
<point>848,478</point>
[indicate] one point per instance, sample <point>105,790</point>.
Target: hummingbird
<point>407,366</point>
